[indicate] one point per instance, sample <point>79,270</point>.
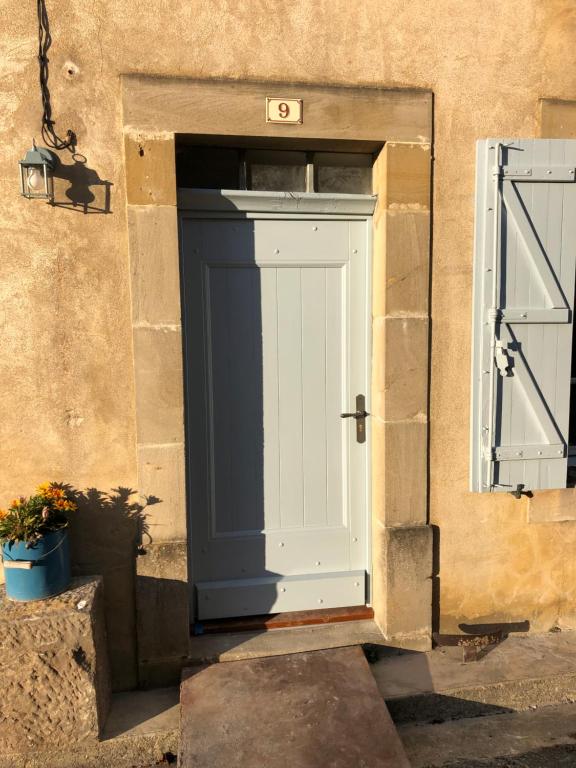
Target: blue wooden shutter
<point>524,273</point>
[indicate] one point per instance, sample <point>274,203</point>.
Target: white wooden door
<point>276,346</point>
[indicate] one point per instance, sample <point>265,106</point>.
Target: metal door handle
<point>355,415</point>
<point>360,415</point>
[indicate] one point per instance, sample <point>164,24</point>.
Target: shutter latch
<point>503,360</point>
<point>520,491</point>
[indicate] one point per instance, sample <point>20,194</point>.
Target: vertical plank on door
<point>290,396</point>
<point>313,394</point>
<point>218,323</point>
<point>269,285</point>
<point>237,401</point>
<point>335,461</point>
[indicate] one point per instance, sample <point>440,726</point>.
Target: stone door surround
<point>155,110</point>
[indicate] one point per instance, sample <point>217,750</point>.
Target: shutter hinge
<point>525,452</point>
<point>536,173</point>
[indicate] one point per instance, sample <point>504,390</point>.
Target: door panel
<point>276,320</point>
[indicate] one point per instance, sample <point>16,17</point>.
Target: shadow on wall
<point>106,534</point>
<point>87,193</point>
<point>475,640</point>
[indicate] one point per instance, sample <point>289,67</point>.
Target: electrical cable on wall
<point>49,135</point>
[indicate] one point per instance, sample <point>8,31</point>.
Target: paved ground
<point>552,757</point>
<point>540,738</point>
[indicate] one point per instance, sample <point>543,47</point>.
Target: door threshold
<point>270,621</point>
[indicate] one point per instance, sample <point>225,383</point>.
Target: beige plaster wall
<point>67,382</point>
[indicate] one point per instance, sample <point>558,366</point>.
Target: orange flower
<point>17,502</point>
<point>64,504</point>
<point>3,514</point>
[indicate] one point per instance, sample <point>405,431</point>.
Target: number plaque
<point>283,110</point>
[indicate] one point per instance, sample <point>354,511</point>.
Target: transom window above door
<point>272,170</point>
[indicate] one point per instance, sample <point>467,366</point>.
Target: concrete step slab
<point>522,672</point>
<point>235,646</point>
<point>303,710</point>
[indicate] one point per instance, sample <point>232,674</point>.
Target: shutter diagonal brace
<point>532,246</point>
<point>532,392</point>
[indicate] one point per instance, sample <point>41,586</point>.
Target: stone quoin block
<point>161,472</point>
<point>162,609</point>
<point>400,368</point>
<point>407,175</point>
<point>399,472</point>
<point>150,169</point>
<point>159,385</point>
<point>401,264</point>
<point>154,264</point>
<point>407,566</point>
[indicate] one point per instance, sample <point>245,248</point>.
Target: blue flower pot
<point>40,571</point>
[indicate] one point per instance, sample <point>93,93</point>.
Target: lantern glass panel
<point>36,174</point>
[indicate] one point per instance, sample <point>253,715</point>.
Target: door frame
<point>155,112</point>
<point>223,205</point>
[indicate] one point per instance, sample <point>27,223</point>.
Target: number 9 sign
<point>283,110</point>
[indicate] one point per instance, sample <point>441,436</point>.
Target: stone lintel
<point>159,104</point>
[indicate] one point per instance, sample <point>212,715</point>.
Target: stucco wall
<point>67,376</point>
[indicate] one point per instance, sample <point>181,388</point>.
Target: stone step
<point>542,738</point>
<point>236,646</point>
<point>523,672</point>
<point>304,710</point>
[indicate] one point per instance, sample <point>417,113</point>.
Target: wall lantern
<point>37,174</point>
